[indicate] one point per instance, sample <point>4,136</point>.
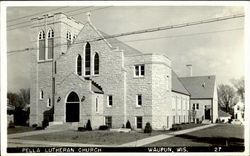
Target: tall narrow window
<point>197,106</point>
<point>55,67</point>
<point>50,44</point>
<point>41,94</point>
<point>139,122</point>
<point>87,59</point>
<point>97,105</point>
<point>49,102</point>
<point>42,45</point>
<point>108,121</point>
<point>194,106</point>
<point>110,100</point>
<point>68,39</point>
<point>138,100</point>
<point>96,64</point>
<point>79,65</point>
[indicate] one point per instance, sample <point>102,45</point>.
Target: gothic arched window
<point>87,59</point>
<point>41,45</point>
<point>50,44</point>
<point>79,65</point>
<point>96,63</point>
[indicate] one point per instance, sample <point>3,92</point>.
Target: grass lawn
<point>219,135</point>
<point>19,129</point>
<point>98,137</point>
<point>90,137</point>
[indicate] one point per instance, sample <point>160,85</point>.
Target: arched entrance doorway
<point>72,108</point>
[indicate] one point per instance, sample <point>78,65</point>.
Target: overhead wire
<point>23,26</point>
<point>136,40</point>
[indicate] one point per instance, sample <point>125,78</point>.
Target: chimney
<point>190,68</point>
<point>88,16</point>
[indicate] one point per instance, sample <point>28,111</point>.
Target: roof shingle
<point>199,86</point>
<point>177,86</point>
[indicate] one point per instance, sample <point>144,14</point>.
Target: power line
<point>25,22</point>
<point>11,20</point>
<point>212,20</point>
<point>65,12</point>
<point>173,36</point>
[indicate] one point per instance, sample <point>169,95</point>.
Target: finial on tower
<point>88,15</point>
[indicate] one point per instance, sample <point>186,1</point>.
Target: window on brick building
<point>97,105</point>
<point>197,106</point>
<point>109,100</point>
<point>87,58</point>
<point>139,70</point>
<point>193,106</point>
<point>79,65</point>
<point>50,44</point>
<point>68,36</point>
<point>49,102</point>
<point>41,94</point>
<point>108,121</point>
<point>96,64</point>
<point>41,45</point>
<point>55,67</point>
<point>139,122</point>
<point>139,100</point>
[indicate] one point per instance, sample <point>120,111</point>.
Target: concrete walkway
<point>36,143</point>
<point>152,139</point>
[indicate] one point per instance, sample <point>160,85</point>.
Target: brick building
<point>77,76</point>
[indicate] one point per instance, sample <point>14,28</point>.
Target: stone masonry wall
<point>139,85</point>
<point>161,92</point>
<point>110,76</point>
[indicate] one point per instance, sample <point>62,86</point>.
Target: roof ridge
<point>181,82</point>
<point>197,76</point>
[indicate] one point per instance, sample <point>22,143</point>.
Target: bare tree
<point>239,85</point>
<point>15,100</point>
<point>226,96</point>
<point>20,99</point>
<point>25,95</point>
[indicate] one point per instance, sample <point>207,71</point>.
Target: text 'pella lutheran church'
<point>77,75</point>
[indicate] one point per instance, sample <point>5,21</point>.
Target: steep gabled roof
<point>177,86</point>
<point>122,46</point>
<point>223,114</point>
<point>199,86</point>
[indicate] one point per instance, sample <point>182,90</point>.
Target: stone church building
<point>78,74</point>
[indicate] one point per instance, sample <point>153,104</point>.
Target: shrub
<point>88,126</point>
<point>176,127</point>
<point>39,128</point>
<point>128,125</point>
<point>103,127</point>
<point>148,128</point>
<point>11,124</point>
<point>34,125</point>
<point>45,123</point>
<point>81,128</point>
<point>123,126</point>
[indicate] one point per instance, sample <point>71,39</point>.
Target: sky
<point>212,49</point>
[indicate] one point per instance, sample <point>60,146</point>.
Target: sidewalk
<point>36,143</point>
<point>162,137</point>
